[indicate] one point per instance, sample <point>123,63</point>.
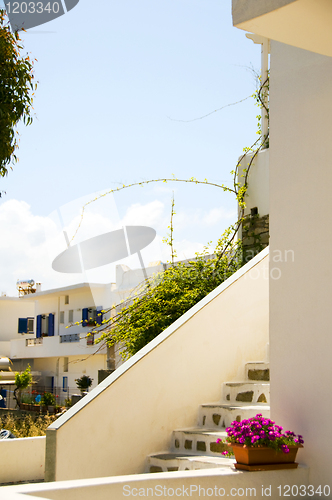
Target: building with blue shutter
<point>55,340</point>
<point>50,331</point>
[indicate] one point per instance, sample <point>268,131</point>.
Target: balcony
<point>72,337</point>
<point>33,342</point>
<point>59,345</point>
<point>302,23</point>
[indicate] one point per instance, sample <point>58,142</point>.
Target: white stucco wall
<point>198,484</point>
<point>12,308</point>
<point>300,206</point>
<point>77,366</point>
<point>257,194</point>
<point>22,459</point>
<point>79,297</point>
<point>134,411</point>
<point>301,23</point>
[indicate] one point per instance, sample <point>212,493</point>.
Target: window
<point>65,384</point>
<point>45,325</point>
<point>66,299</point>
<point>25,325</point>
<point>92,316</point>
<point>30,324</point>
<point>62,317</point>
<point>65,364</point>
<point>70,316</point>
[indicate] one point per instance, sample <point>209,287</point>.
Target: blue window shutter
<point>65,384</point>
<point>50,325</point>
<point>22,325</point>
<point>85,314</point>
<point>99,316</point>
<point>39,325</point>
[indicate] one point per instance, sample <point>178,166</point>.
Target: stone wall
<point>255,235</point>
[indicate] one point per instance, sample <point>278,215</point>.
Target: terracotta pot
<point>263,458</point>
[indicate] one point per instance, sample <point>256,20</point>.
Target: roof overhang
<point>302,23</point>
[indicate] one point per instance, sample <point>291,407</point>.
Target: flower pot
<point>264,458</point>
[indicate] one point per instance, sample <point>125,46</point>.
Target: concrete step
<point>198,441</point>
<point>246,392</point>
<point>221,415</point>
<point>169,462</point>
<point>258,371</point>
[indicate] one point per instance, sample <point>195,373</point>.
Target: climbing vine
<point>161,299</point>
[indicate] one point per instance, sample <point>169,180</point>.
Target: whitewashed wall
<point>257,194</point>
<point>22,459</point>
<point>12,308</point>
<point>300,206</point>
<point>133,412</point>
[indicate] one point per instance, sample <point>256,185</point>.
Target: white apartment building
<point>49,330</point>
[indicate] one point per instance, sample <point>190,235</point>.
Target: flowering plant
<point>258,432</point>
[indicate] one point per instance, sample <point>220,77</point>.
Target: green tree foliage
<point>22,381</point>
<point>168,295</point>
<point>84,382</point>
<point>48,399</point>
<point>16,91</point>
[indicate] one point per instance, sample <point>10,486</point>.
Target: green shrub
<point>48,399</point>
<point>26,426</point>
<point>84,382</point>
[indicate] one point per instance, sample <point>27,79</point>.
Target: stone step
<point>258,371</point>
<point>198,441</point>
<point>246,392</point>
<point>220,415</point>
<point>169,462</point>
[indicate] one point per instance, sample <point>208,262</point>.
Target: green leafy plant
<point>48,399</point>
<point>22,381</point>
<point>27,425</point>
<point>162,299</point>
<point>84,382</point>
<point>26,398</point>
<point>16,91</point>
<point>168,295</point>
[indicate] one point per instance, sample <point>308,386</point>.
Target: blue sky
<point>119,83</point>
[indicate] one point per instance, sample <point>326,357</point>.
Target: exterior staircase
<point>196,448</point>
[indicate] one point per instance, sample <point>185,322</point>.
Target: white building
<point>58,346</point>
<point>12,308</point>
<point>49,330</point>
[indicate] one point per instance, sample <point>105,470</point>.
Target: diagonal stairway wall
<point>133,412</point>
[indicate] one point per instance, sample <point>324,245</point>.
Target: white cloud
<point>22,244</point>
<point>29,242</point>
<point>151,214</point>
<point>216,215</point>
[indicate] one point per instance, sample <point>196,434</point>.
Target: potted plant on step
<point>259,444</point>
<point>48,402</point>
